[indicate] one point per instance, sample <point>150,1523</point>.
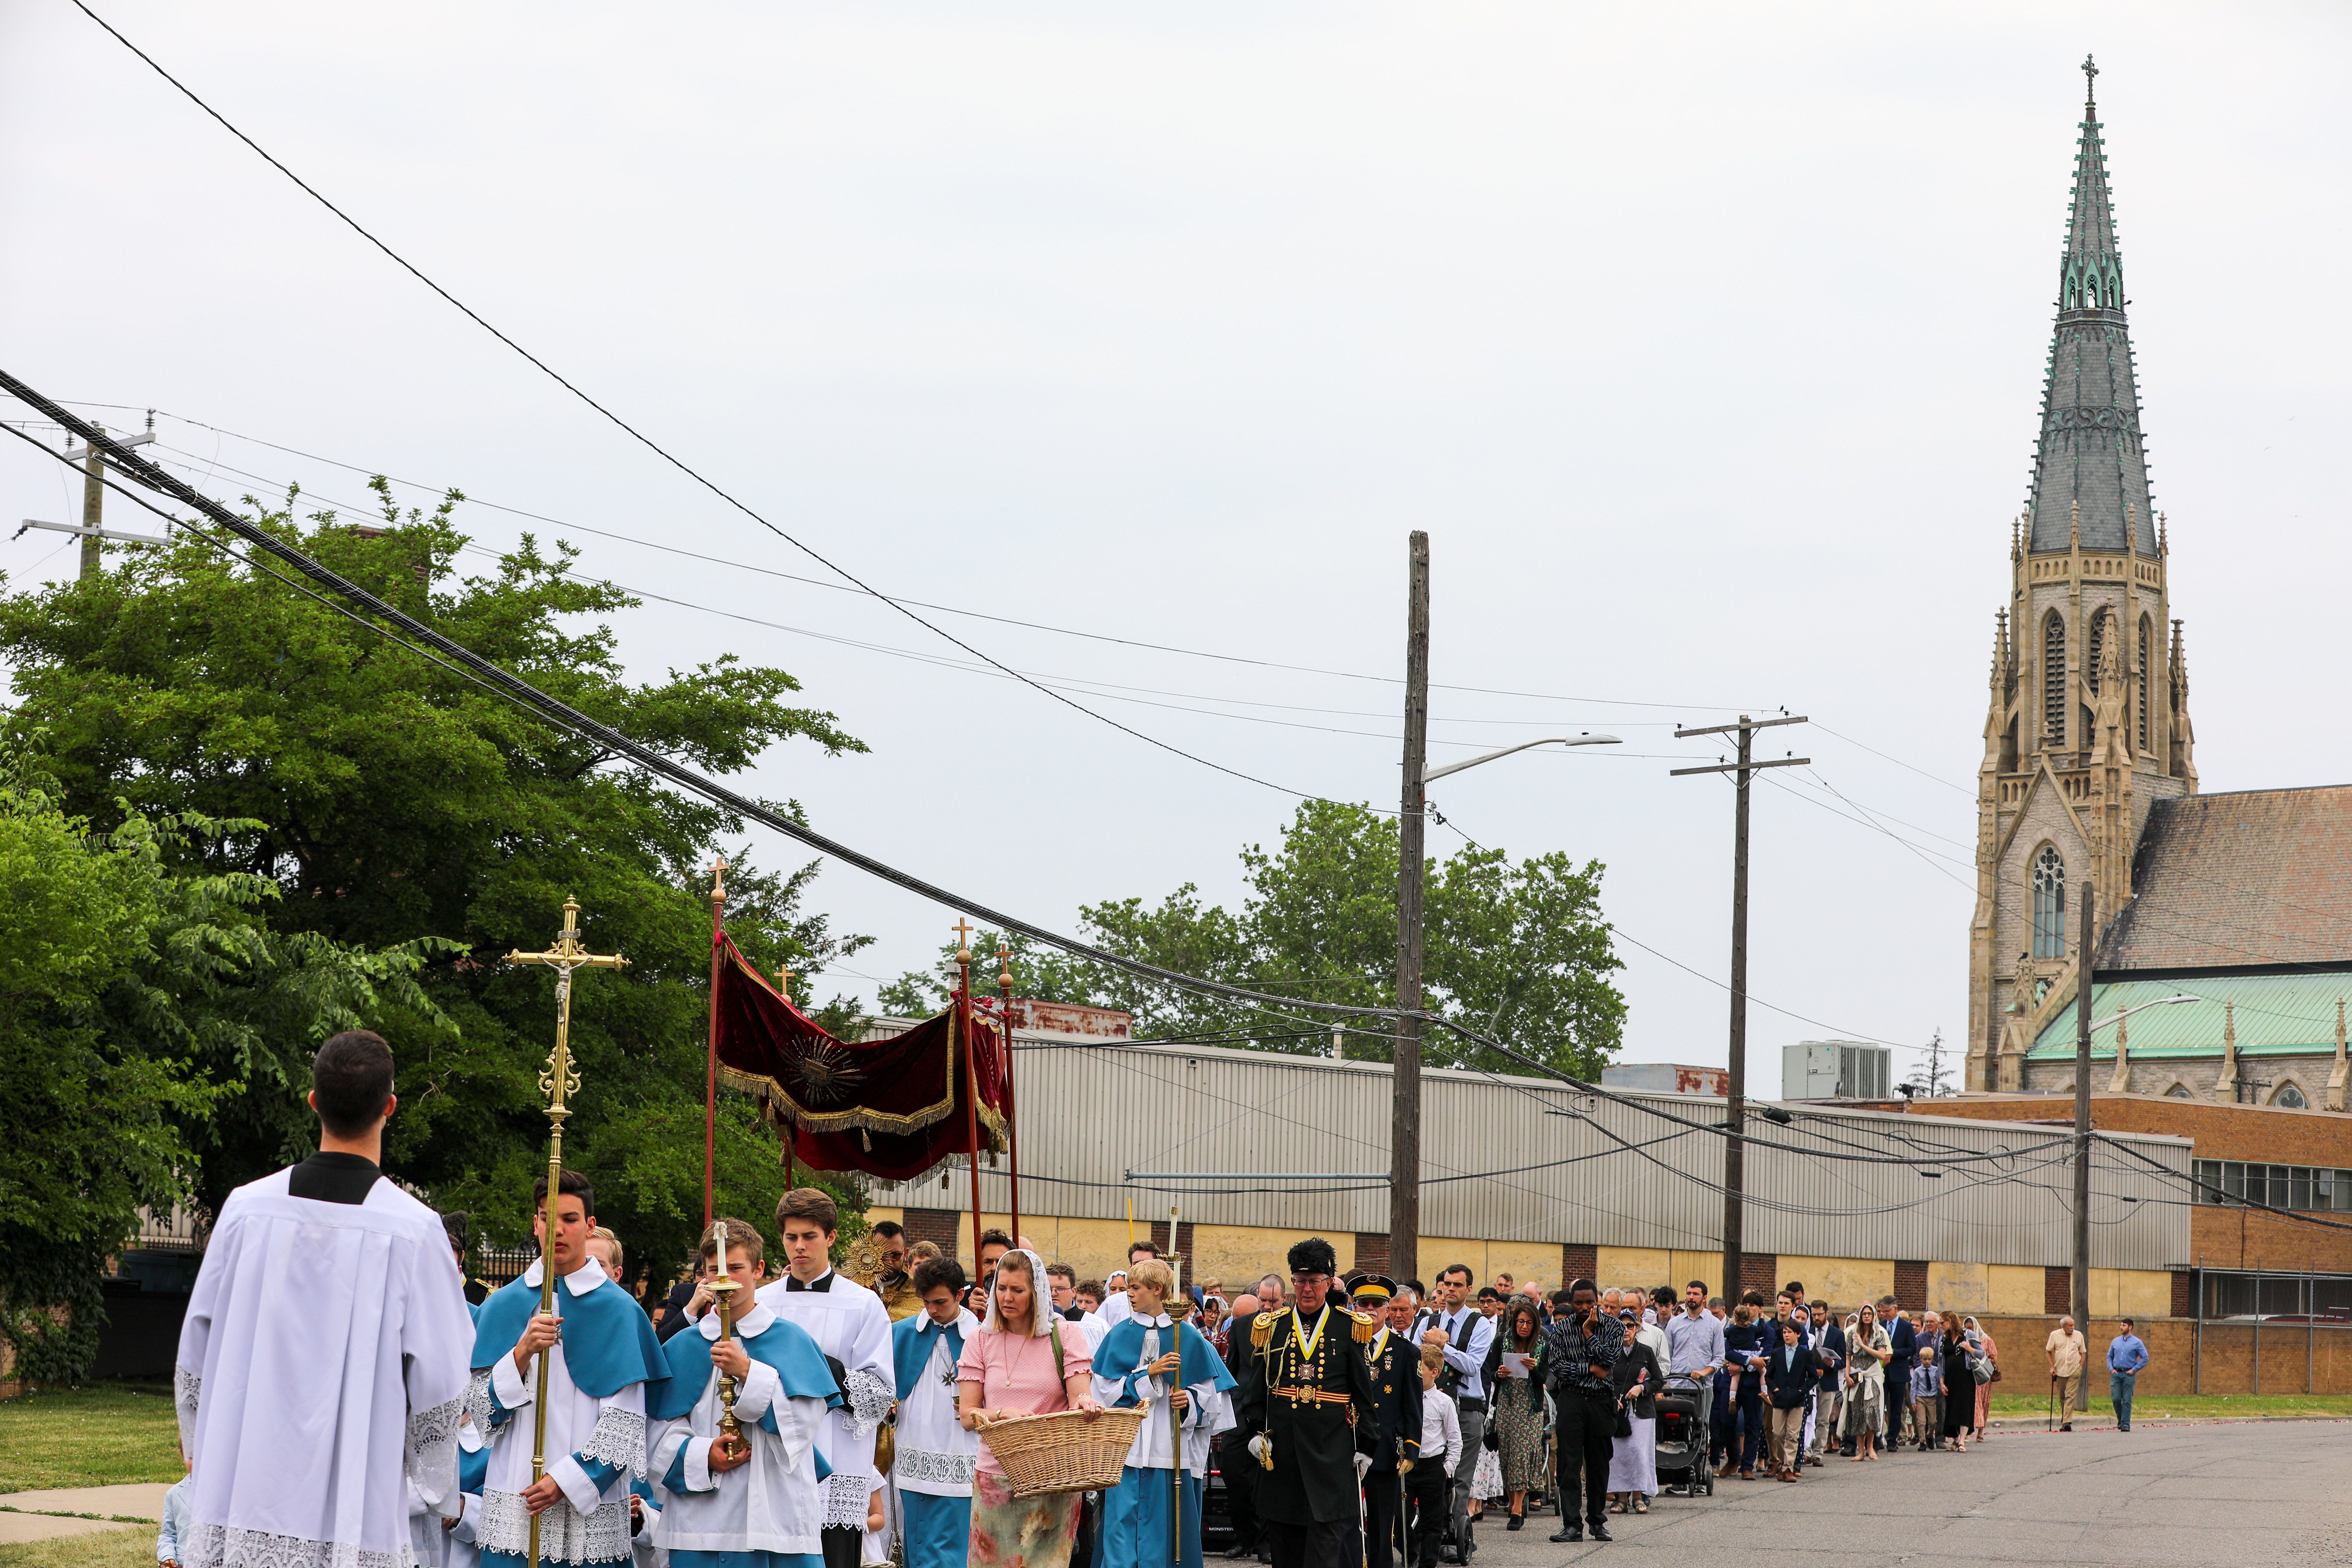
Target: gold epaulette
<point>1367,1327</point>
<point>1262,1330</point>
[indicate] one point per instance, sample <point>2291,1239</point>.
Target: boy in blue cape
<point>603,1365</point>
<point>935,1454</point>
<point>1149,1359</point>
<point>753,1502</point>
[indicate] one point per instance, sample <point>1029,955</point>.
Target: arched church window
<point>2096,651</point>
<point>2179,1091</point>
<point>2049,905</point>
<point>2053,678</point>
<point>2291,1097</point>
<point>2147,636</point>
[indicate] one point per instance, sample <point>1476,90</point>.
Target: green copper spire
<point>2090,453</point>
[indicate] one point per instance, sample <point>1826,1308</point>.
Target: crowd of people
<point>343,1394</point>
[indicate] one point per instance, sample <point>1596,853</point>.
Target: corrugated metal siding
<point>1548,1164</point>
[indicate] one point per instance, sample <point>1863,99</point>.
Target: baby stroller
<point>1682,1441</point>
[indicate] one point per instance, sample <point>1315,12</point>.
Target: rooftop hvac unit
<point>1835,1070</point>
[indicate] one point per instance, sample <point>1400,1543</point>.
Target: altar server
<point>602,1362</point>
<point>753,1502</point>
<point>935,1453</point>
<point>1153,1360</point>
<point>849,1324</point>
<point>322,1361</point>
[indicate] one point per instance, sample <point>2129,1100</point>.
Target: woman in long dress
<point>1960,1385</point>
<point>1633,1459</point>
<point>1867,1350</point>
<point>1518,1410</point>
<point>1020,1364</point>
<point>1982,1339</point>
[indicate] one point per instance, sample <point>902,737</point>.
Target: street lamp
<point>1404,1139</point>
<point>2142,1007</point>
<point>1584,740</point>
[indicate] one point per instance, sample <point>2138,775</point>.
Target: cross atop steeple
<point>2090,76</point>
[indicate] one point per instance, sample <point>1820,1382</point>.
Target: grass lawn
<point>97,1436</point>
<point>133,1546</point>
<point>2186,1406</point>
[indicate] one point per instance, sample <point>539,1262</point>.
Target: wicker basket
<point>1064,1452</point>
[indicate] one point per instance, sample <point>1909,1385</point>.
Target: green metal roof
<point>2277,1015</point>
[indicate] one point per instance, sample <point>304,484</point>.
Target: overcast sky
<point>1706,344</point>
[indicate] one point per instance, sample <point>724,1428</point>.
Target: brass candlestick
<point>730,1430</point>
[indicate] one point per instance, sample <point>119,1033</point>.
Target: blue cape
<point>782,1345</point>
<point>473,1470</point>
<point>608,1343</point>
<point>1123,1347</point>
<point>911,1340</point>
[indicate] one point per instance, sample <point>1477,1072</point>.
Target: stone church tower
<point>2088,723</point>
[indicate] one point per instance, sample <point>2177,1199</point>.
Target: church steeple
<point>2087,721</point>
<point>2090,455</point>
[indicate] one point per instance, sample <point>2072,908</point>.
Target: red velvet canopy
<point>891,1108</point>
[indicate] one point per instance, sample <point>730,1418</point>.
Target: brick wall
<point>1578,1263</point>
<point>2295,1358</point>
<point>1910,1284</point>
<point>1372,1250</point>
<point>2057,1291</point>
<point>1759,1271</point>
<point>938,1227</point>
<point>2184,1293</point>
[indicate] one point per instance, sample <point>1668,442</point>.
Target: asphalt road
<point>2233,1495</point>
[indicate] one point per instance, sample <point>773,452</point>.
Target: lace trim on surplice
<point>563,1535</point>
<point>219,1546</point>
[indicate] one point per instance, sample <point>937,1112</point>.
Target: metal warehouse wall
<point>1514,1158</point>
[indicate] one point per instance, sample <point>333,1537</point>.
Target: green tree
<point>1515,950</point>
<point>136,1002</point>
<point>395,801</point>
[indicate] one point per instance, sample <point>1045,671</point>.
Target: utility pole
<point>1734,1143</point>
<point>2083,949</point>
<point>93,493</point>
<point>1404,1134</point>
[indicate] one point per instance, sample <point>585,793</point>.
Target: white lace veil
<point>1041,1304</point>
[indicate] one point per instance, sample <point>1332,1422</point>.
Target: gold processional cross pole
<point>556,1082</point>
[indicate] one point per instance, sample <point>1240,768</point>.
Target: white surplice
<point>589,1523</point>
<point>849,1324</point>
<point>1208,1414</point>
<point>772,1501</point>
<point>321,1369</point>
<point>936,1455</point>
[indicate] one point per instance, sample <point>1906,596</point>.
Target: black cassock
<point>1306,1387</point>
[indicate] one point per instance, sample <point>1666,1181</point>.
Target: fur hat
<point>1314,1256</point>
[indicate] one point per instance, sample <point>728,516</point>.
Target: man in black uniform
<point>1310,1407</point>
<point>1583,1346</point>
<point>1393,1359</point>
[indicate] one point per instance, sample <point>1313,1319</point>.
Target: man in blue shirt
<point>1695,1351</point>
<point>2126,1354</point>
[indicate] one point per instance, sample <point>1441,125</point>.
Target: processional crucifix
<point>557,1082</point>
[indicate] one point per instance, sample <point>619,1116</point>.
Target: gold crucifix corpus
<point>556,1082</point>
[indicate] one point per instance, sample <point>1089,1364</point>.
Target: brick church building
<point>2088,790</point>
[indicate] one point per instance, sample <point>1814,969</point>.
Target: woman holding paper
<point>1515,1385</point>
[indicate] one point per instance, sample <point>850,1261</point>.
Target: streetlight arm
<point>1507,751</point>
<point>2142,1007</point>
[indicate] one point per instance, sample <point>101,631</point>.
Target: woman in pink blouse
<point>1018,1365</point>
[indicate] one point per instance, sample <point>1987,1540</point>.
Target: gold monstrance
<point>557,1082</point>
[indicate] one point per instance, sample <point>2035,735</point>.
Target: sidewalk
<point>47,1515</point>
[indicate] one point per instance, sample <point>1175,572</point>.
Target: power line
<point>928,604</point>
<point>665,454</point>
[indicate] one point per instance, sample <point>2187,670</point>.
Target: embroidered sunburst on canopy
<point>891,1108</point>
